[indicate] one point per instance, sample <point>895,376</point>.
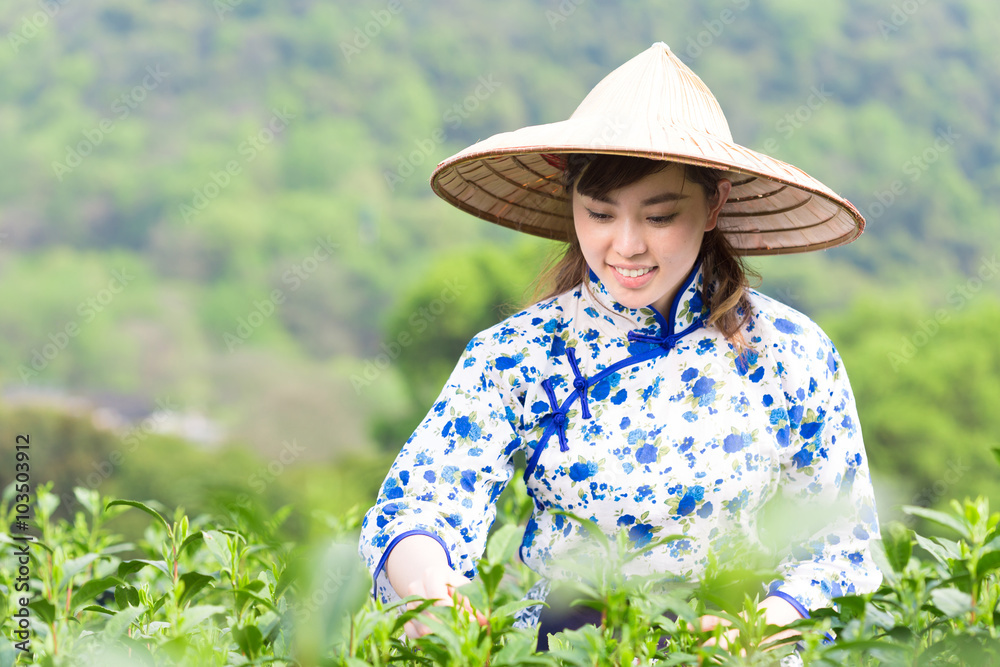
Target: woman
<point>652,391</point>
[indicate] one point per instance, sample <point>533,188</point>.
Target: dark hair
<point>726,276</point>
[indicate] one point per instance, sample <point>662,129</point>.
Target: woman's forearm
<point>411,559</point>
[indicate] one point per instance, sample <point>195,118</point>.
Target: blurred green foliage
<point>230,161</point>
<point>199,589</point>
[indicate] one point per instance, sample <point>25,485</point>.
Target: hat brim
<point>773,208</point>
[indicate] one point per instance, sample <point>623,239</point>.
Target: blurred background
<point>224,277</point>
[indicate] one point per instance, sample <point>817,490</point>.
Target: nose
<point>629,238</point>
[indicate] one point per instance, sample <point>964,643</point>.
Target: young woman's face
<point>644,238</point>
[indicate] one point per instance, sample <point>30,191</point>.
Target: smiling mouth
<point>633,273</point>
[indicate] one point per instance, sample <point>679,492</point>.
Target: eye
<point>662,219</point>
<point>598,216</point>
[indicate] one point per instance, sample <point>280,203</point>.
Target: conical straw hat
<point>653,106</point>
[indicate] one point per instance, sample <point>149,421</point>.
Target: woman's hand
<point>441,585</point>
<point>419,566</point>
<point>777,611</point>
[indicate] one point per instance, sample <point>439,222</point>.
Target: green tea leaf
<point>99,609</point>
<point>898,545</point>
<point>90,499</point>
<point>128,567</point>
<point>73,567</point>
<point>218,546</point>
<point>193,582</point>
<point>145,508</point>
<point>194,616</point>
<point>933,548</point>
<point>45,610</point>
<point>249,639</point>
<point>503,544</point>
<point>951,601</point>
<point>939,518</point>
<point>118,624</point>
<point>92,589</point>
<point>191,539</point>
<point>988,562</point>
<point>511,607</point>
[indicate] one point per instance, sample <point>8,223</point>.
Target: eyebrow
<point>656,199</point>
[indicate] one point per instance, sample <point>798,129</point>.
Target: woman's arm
<point>826,500</point>
<point>418,565</point>
<point>444,483</point>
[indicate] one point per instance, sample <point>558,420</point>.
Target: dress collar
<point>687,308</point>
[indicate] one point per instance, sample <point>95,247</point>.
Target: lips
<point>634,278</point>
<point>633,273</point>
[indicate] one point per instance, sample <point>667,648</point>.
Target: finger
<point>471,611</point>
<point>709,622</point>
<point>415,588</point>
<point>725,641</point>
<point>458,581</point>
<point>455,581</point>
<point>438,589</point>
<point>414,630</point>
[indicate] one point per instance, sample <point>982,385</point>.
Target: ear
<point>717,201</point>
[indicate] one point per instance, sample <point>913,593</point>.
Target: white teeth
<point>633,273</point>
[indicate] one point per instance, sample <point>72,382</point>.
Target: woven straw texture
<point>652,106</point>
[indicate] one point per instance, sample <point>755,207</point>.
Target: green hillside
<point>226,203</point>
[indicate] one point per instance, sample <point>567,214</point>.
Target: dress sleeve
<point>446,479</point>
<point>825,485</point>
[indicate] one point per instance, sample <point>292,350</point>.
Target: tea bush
<point>231,591</point>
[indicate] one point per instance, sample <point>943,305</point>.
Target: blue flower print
<point>581,471</point>
<point>686,506</point>
<point>640,535</point>
<point>689,438</point>
<point>702,386</point>
<point>786,326</point>
<point>736,442</point>
<point>467,429</point>
<point>646,454</point>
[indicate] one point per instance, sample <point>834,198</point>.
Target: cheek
<point>590,236</point>
<point>679,240</point>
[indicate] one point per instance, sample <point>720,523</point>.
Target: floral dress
<point>639,423</point>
